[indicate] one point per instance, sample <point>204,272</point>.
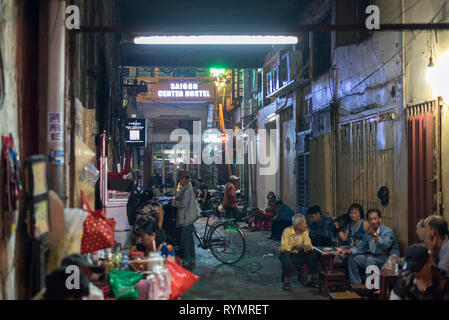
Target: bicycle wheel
<point>227,242</point>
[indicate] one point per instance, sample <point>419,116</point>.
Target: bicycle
<point>224,239</point>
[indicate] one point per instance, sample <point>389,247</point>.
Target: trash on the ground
<point>267,255</point>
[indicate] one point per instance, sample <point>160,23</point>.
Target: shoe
<point>313,284</point>
<point>286,286</point>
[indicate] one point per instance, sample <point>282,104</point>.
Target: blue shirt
<point>386,244</point>
<point>286,213</point>
<point>321,229</point>
<point>356,235</point>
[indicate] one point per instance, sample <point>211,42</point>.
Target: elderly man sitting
<point>296,249</point>
<point>377,245</point>
<point>437,241</point>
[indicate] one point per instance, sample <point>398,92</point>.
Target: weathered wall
<point>9,124</point>
<point>320,173</point>
<point>288,159</point>
<point>368,82</point>
<point>422,46</point>
<point>265,183</point>
<point>283,181</point>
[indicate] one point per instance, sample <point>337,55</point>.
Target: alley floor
<point>256,277</point>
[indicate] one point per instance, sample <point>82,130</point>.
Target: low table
<point>328,279</point>
<point>387,279</point>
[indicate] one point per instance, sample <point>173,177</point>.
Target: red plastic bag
<point>181,279</point>
<point>97,230</point>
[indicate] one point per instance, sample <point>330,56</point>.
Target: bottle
<point>117,259</point>
<point>108,266</point>
<point>125,261</point>
<point>171,253</point>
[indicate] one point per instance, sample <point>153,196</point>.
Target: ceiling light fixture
<point>216,40</point>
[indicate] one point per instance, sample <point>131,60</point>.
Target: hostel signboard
<point>177,89</point>
<point>136,132</point>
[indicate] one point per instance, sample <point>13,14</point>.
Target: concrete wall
<point>320,173</point>
<point>418,89</point>
<point>367,81</point>
<point>9,124</point>
<point>283,182</point>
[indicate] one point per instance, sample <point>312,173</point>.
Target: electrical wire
<point>393,56</point>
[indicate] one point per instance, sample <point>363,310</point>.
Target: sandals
<point>313,284</point>
<point>286,286</point>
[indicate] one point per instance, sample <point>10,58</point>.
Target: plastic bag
<point>71,242</point>
<point>90,173</point>
<point>160,285</point>
<point>123,283</point>
<point>181,279</point>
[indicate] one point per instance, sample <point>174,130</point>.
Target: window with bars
<point>302,180</point>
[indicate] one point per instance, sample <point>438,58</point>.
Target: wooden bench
<point>344,296</point>
<point>328,279</point>
<point>363,291</point>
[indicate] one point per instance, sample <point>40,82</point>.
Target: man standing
<point>186,216</point>
<point>436,240</point>
<point>296,249</point>
<point>320,227</point>
<point>282,219</point>
<point>421,279</point>
<point>377,245</point>
<point>229,201</point>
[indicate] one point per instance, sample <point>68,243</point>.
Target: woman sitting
<point>152,239</point>
<point>150,208</point>
<point>353,233</point>
<point>261,219</point>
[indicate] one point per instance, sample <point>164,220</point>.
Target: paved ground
<point>257,276</point>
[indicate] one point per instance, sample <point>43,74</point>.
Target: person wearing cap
<point>377,245</point>
<point>437,241</point>
<point>88,269</point>
<point>229,200</point>
<point>421,279</point>
<point>187,214</point>
<point>56,286</point>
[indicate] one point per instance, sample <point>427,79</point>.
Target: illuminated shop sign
<point>184,90</point>
<point>135,132</point>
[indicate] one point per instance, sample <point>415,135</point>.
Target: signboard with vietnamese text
<point>177,89</point>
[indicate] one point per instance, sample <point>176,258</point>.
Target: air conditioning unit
<point>303,142</point>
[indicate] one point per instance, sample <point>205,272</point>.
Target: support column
<point>55,109</point>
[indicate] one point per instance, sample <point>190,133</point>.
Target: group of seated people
<point>276,216</point>
<point>367,242</point>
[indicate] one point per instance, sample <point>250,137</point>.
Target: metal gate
<point>364,165</point>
